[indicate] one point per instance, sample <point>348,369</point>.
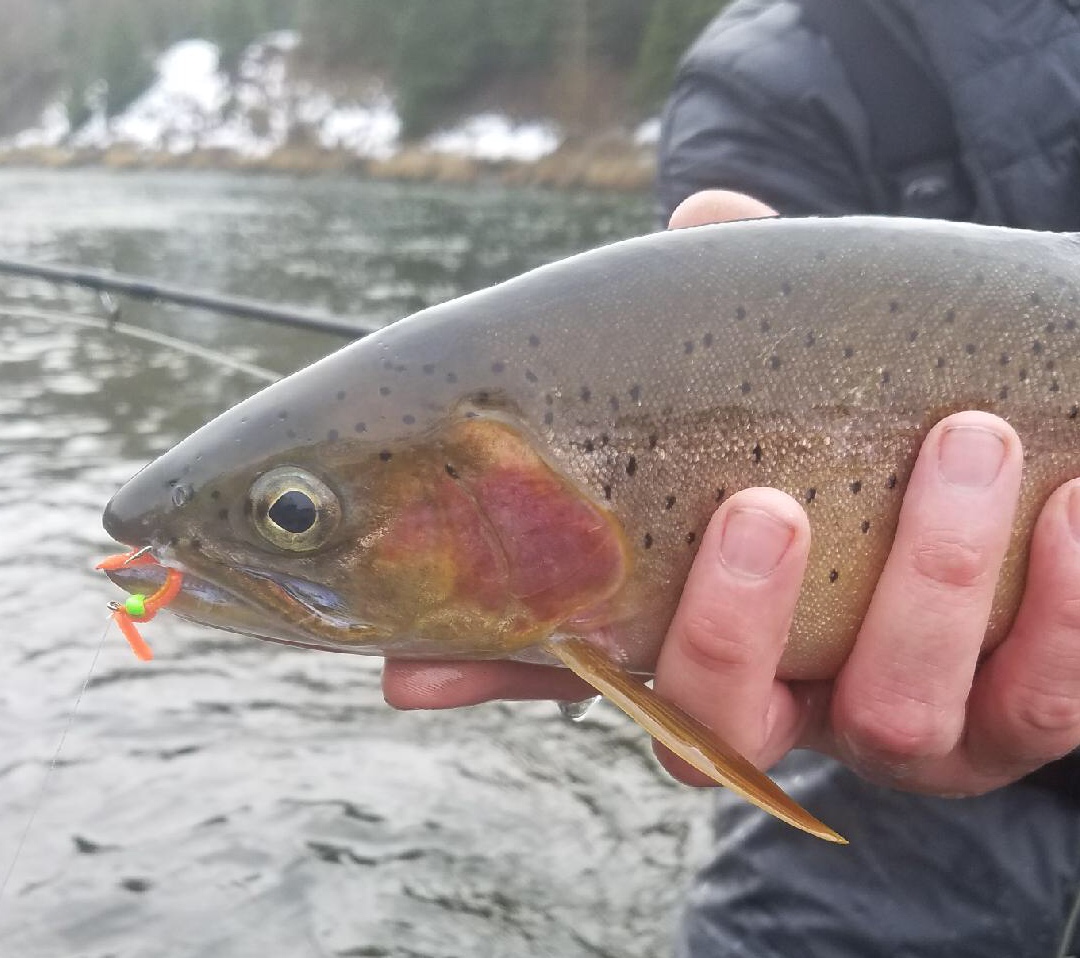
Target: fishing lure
<point>140,608</point>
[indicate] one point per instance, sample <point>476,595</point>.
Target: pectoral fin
<point>685,736</point>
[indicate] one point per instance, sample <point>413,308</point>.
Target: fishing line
<point>39,801</point>
<point>147,335</point>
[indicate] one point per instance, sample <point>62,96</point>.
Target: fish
<point>525,472</point>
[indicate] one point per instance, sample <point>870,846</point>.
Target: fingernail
<point>754,542</point>
<point>970,456</point>
<point>1074,512</point>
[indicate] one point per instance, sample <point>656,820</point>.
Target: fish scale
<point>527,471</point>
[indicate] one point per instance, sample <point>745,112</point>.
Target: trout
<point>525,472</point>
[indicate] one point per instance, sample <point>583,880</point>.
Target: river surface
<point>234,798</point>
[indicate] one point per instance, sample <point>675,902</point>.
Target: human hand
<point>909,707</point>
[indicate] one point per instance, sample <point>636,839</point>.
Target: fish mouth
<point>251,601</point>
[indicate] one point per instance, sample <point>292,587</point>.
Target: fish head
<point>453,538</point>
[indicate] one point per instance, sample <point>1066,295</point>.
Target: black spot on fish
<point>886,377</point>
<point>386,455</point>
<point>613,402</point>
<point>707,340</point>
<point>384,390</point>
<point>631,466</point>
<point>894,306</point>
<point>849,351</point>
<point>635,392</point>
<point>1074,412</point>
<point>604,439</point>
<point>283,415</point>
<point>1054,386</point>
<point>429,369</point>
<point>586,394</point>
<point>745,387</point>
<point>483,397</point>
<point>1036,347</point>
<point>647,541</point>
<point>1070,324</point>
<point>360,427</point>
<point>690,537</point>
<point>451,377</point>
<point>890,483</point>
<point>451,471</point>
<point>196,544</point>
<point>137,885</point>
<point>534,340</point>
<point>530,375</point>
<point>549,399</point>
<point>498,366</point>
<point>950,316</point>
<point>549,418</point>
<point>811,338</point>
<point>589,447</point>
<point>669,502</point>
<point>833,575</point>
<point>215,494</point>
<point>408,419</point>
<point>940,362</point>
<point>774,362</point>
<point>970,349</point>
<point>1004,359</point>
<point>856,487</point>
<point>1049,365</point>
<point>340,394</point>
<point>913,335</point>
<point>740,312</point>
<point>223,514</point>
<point>785,288</point>
<point>607,492</point>
<point>720,494</point>
<point>1051,328</point>
<point>811,494</point>
<point>688,347</point>
<point>757,452</point>
<point>1003,392</point>
<point>865,525</point>
<point>1023,375</point>
<point>765,325</point>
<point>653,439</point>
<point>332,435</point>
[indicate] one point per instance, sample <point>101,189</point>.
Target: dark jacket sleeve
<point>761,105</point>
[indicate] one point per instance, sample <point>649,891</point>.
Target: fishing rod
<point>140,288</point>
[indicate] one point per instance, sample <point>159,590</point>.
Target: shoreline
<point>603,163</point>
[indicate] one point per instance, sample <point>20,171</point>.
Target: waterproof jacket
<point>764,104</point>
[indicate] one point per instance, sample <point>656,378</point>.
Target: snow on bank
<point>193,104</point>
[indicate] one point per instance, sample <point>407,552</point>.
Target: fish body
<point>540,459</point>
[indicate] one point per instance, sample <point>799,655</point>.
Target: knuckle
<point>710,644</point>
<point>945,561</point>
<point>900,734</point>
<point>1067,615</point>
<point>1038,713</point>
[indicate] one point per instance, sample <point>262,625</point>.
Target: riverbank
<point>603,163</point>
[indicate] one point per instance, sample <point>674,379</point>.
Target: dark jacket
<point>762,104</point>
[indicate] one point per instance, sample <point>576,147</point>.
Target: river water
<point>234,798</point>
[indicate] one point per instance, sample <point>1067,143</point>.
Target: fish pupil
<point>293,511</point>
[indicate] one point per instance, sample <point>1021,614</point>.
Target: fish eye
<point>293,510</point>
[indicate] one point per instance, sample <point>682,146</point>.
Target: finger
<point>1025,707</point>
<point>719,658</point>
<point>410,684</point>
<point>717,206</point>
<point>900,699</point>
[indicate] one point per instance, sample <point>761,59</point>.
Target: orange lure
<point>139,608</point>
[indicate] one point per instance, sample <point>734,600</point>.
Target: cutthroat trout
<point>525,472</point>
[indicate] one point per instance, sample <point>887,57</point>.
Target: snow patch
<point>193,104</point>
